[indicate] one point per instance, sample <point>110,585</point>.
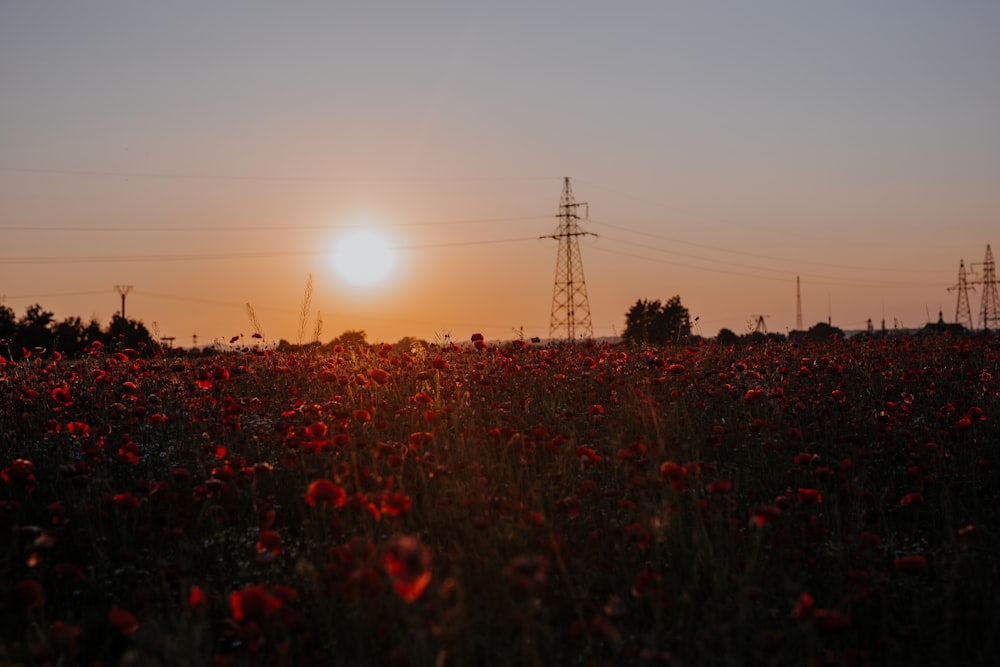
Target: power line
<point>184,257</point>
<point>56,295</point>
<point>258,228</point>
<point>815,279</point>
<point>288,178</point>
<point>755,255</point>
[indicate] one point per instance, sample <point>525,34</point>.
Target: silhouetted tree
<point>727,337</point>
<point>69,337</point>
<point>34,330</point>
<point>657,323</point>
<point>409,343</point>
<point>127,333</point>
<point>824,331</point>
<point>350,339</point>
<point>8,323</point>
<point>8,326</point>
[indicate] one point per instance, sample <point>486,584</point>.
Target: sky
<point>212,155</point>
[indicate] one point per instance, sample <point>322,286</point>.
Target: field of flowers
<point>504,504</point>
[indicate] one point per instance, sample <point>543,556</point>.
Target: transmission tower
<point>570,308</point>
<point>798,305</point>
<point>123,290</point>
<point>989,310</point>
<point>963,313</point>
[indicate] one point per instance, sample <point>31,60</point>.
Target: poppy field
<point>808,503</point>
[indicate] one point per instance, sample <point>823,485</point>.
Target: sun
<point>363,258</point>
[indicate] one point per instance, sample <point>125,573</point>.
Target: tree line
<point>664,323</point>
<point>38,332</point>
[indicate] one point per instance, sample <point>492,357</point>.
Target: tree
<point>657,323</point>
<point>351,338</point>
<point>34,330</point>
<point>8,323</point>
<point>408,344</point>
<point>727,337</point>
<point>69,336</point>
<point>819,331</point>
<point>128,333</point>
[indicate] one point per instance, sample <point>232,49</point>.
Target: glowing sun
<point>363,258</point>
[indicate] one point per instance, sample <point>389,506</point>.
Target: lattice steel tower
<point>989,311</point>
<point>570,308</point>
<point>963,313</point>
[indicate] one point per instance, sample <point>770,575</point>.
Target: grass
<point>778,504</point>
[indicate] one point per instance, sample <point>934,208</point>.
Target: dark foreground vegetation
<point>781,503</point>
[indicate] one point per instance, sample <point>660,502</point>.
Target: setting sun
<point>363,258</point>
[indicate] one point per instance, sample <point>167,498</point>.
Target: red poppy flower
<point>269,542</point>
<point>719,486</point>
<point>253,603</point>
<point>912,499</point>
<point>197,598</point>
<point>803,607</point>
<point>123,621</point>
<point>394,503</point>
<point>407,561</point>
<point>912,564</point>
<point>78,430</point>
<point>125,500</point>
<point>21,472</point>
<point>675,474</point>
<point>809,496</point>
<point>419,439</point>
<point>317,429</point>
<point>362,416</point>
<point>325,492</point>
<point>378,375</point>
<point>571,505</point>
<point>62,395</point>
<point>765,514</point>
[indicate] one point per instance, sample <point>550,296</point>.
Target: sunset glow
<point>754,159</point>
<point>363,258</point>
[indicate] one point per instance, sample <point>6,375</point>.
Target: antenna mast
<point>570,307</point>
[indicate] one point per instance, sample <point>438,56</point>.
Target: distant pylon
<point>963,313</point>
<point>570,308</point>
<point>989,310</point>
<point>798,305</point>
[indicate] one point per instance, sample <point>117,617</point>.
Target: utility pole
<point>570,307</point>
<point>123,290</point>
<point>798,305</point>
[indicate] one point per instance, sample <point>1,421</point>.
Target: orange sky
<point>210,157</point>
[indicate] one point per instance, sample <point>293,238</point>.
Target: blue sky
<point>723,148</point>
